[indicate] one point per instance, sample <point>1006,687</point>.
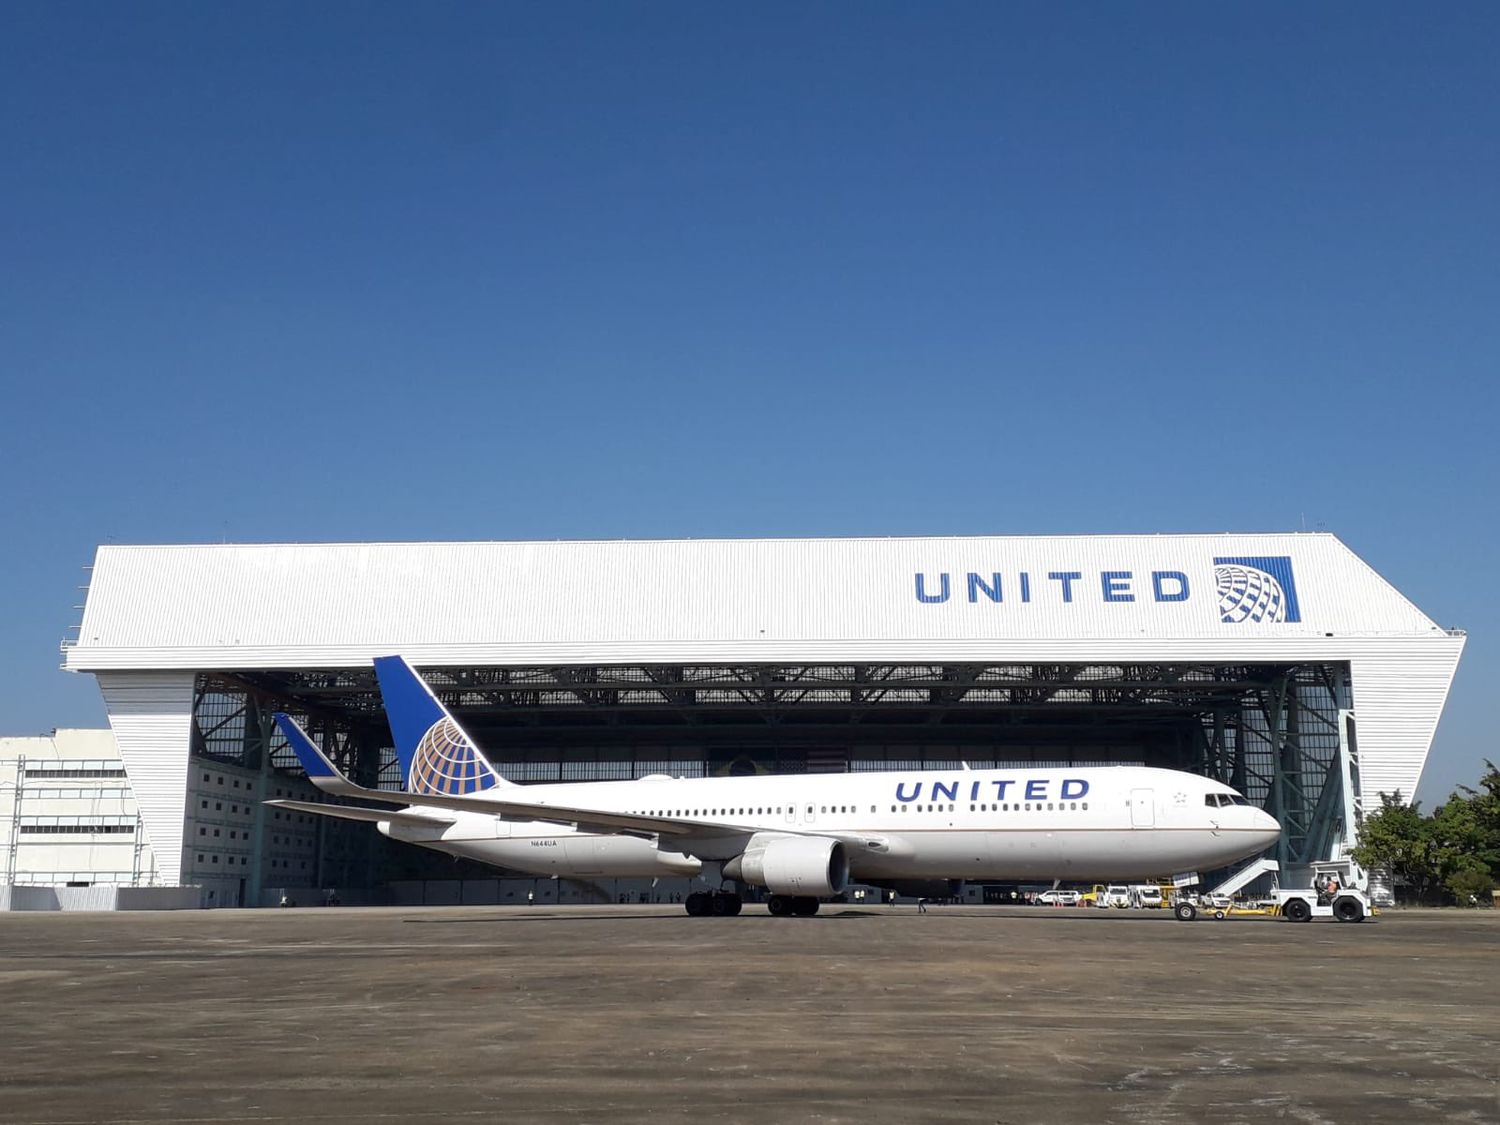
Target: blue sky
<point>536,271</point>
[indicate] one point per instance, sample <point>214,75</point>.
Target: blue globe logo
<point>445,762</point>
<point>1248,594</point>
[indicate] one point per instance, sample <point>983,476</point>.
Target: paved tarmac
<point>626,1014</point>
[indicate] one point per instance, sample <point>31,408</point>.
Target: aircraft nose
<point>1267,825</point>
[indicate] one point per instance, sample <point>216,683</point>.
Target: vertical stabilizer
<point>436,756</point>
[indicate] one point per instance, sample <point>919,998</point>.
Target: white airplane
<point>802,837</point>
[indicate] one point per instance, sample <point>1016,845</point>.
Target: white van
<point>1147,896</point>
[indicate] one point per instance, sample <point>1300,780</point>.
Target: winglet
<point>320,771</point>
<point>437,757</point>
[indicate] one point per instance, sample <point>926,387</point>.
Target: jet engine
<point>803,866</point>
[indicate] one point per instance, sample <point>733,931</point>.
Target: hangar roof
<point>1283,596</point>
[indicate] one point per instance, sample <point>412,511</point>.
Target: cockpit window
<point>1212,800</point>
<point>1223,800</point>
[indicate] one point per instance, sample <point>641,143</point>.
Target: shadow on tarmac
<point>533,916</point>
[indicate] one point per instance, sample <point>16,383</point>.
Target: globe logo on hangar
<point>1257,589</point>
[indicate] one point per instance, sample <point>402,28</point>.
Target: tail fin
<point>437,757</point>
<point>320,771</point>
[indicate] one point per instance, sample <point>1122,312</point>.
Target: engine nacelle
<point>792,865</point>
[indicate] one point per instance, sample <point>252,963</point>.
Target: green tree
<point>1472,886</point>
<point>1485,803</point>
<point>1399,838</point>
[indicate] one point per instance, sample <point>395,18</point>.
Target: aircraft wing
<point>593,820</point>
<point>357,812</point>
<point>587,820</point>
<point>327,777</point>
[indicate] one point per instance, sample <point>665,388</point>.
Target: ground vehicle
<point>1058,898</point>
<point>1147,896</point>
<point>1114,895</point>
<point>1303,905</point>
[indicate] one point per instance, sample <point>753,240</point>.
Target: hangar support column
<point>151,714</point>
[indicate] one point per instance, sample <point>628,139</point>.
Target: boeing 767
<point>803,837</point>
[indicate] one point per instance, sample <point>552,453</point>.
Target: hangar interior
<point>1280,733</point>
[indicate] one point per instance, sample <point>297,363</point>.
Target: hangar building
<point>1282,664</point>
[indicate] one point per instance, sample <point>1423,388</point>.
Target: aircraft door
<point>1143,808</point>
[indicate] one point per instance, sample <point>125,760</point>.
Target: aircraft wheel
<point>804,907</point>
<point>779,905</point>
<point>726,905</point>
<point>1185,911</point>
<point>698,904</point>
<point>1297,910</point>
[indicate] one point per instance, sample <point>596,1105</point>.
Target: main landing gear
<point>726,904</point>
<point>723,904</point>
<point>800,905</point>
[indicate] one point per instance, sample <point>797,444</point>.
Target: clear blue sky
<point>288,271</point>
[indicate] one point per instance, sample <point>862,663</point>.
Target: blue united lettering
<point>1004,789</point>
<point>1065,587</point>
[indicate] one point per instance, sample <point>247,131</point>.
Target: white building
<point>1253,657</point>
<point>67,815</point>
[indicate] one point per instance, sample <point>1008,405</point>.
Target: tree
<point>1472,886</point>
<point>1456,848</point>
<point>1485,803</point>
<point>1399,838</point>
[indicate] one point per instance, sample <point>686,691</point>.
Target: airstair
<point>1244,877</point>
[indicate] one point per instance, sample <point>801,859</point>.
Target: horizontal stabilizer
<point>320,771</point>
<point>356,812</point>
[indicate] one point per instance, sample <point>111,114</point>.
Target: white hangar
<point>1282,664</point>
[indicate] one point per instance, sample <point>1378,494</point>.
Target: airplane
<point>803,837</point>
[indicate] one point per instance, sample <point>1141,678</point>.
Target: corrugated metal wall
<point>151,714</point>
<point>644,600</point>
